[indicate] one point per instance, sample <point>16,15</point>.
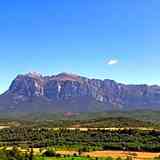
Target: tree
<point>31,154</point>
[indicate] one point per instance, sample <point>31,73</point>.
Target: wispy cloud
<point>112,61</point>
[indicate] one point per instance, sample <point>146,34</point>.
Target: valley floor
<point>114,154</point>
<point>92,155</point>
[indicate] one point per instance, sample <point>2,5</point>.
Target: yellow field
<point>115,154</point>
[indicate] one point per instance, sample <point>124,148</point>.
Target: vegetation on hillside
<point>108,122</point>
<point>127,139</point>
<point>50,130</point>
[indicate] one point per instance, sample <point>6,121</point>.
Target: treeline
<point>127,139</point>
<point>118,122</point>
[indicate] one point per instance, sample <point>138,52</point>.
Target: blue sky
<point>115,39</point>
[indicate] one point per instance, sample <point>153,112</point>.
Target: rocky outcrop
<point>67,87</point>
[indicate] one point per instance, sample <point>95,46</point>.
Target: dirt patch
<point>123,154</point>
<point>2,127</point>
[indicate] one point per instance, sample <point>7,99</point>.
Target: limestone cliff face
<point>65,86</point>
<point>27,85</point>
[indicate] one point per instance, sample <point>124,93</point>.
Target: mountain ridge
<point>70,92</point>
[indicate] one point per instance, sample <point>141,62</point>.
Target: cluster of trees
<point>127,139</point>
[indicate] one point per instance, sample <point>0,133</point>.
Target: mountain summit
<point>63,92</point>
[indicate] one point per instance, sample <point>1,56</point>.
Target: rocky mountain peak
<point>30,84</point>
<point>34,75</point>
<point>65,86</point>
<point>64,76</point>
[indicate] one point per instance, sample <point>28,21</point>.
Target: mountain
<point>65,92</point>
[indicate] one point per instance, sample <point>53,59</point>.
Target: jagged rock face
<point>52,89</point>
<point>65,86</point>
<point>27,86</point>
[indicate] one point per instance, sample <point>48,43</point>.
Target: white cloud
<point>112,61</point>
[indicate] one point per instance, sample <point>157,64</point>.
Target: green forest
<point>126,139</point>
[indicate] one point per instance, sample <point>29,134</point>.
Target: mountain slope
<point>33,92</point>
